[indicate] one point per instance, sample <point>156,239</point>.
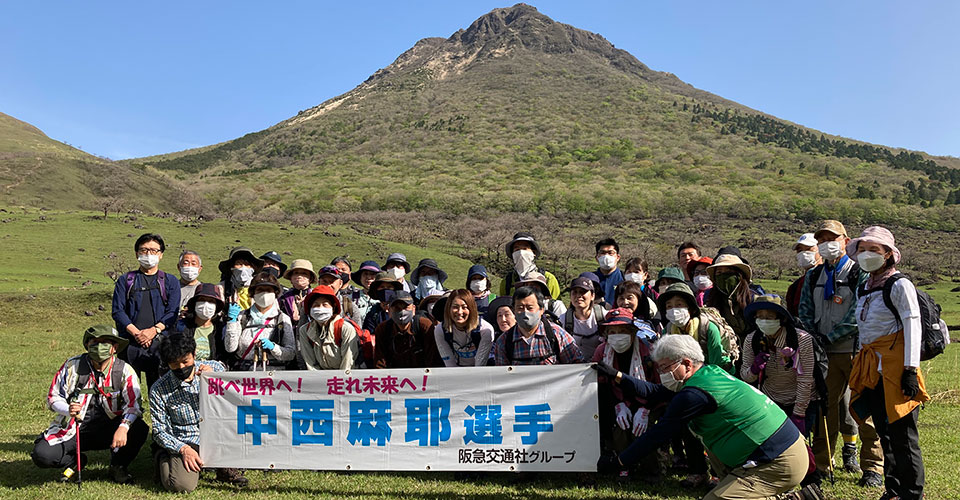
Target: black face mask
<point>184,372</point>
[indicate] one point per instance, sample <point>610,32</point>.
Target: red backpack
<point>365,340</point>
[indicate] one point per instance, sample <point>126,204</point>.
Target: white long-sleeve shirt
<point>874,319</point>
<point>463,352</point>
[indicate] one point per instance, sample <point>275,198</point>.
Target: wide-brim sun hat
<point>301,265</point>
<point>427,264</point>
<point>768,302</point>
<point>321,291</point>
<point>523,236</point>
<point>239,253</point>
<point>875,234</point>
<point>105,332</point>
<point>679,290</point>
<point>729,260</point>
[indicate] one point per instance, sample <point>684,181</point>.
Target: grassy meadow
<point>53,284</point>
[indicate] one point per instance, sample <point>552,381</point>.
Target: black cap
<point>402,296</point>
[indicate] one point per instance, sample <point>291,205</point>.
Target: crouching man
<point>175,406</point>
<point>752,445</point>
<point>97,395</point>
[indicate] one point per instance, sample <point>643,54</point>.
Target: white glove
<point>640,421</point>
<point>623,415</point>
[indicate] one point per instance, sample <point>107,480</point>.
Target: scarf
<point>829,284</point>
<point>636,360</point>
<point>258,319</point>
<point>880,279</point>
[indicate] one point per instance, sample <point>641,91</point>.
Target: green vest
<point>744,418</point>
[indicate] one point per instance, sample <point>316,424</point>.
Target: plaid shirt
<point>538,351</point>
<point>175,407</point>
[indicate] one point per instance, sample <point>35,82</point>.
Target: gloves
<point>606,370</point>
<point>640,421</point>
<point>623,415</point>
<point>609,463</point>
<point>759,363</point>
<point>800,422</point>
<point>233,312</point>
<point>909,383</point>
<point>267,344</point>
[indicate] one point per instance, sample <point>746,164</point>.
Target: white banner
<point>519,418</point>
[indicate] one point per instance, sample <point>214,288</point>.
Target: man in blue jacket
<point>145,304</point>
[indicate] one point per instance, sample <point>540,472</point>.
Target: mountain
<point>520,113</point>
<point>36,170</point>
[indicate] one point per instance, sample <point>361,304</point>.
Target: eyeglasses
<point>149,251</point>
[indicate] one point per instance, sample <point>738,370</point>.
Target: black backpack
<point>85,371</point>
<point>568,320</point>
<point>474,338</point>
<point>547,330</point>
<point>932,335</point>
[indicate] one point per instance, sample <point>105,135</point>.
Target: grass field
<point>42,314</point>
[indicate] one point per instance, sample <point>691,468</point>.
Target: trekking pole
<point>829,448</point>
<point>79,471</point>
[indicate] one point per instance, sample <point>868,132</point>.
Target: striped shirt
<point>785,386</point>
<point>175,407</point>
<point>125,402</point>
<point>537,349</point>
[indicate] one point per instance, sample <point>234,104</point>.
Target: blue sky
<point>127,79</point>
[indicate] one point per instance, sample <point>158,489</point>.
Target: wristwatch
<point>619,377</point>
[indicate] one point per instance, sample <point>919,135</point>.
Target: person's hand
<point>800,422</point>
<point>605,369</point>
<point>640,421</point>
<point>624,415</point>
<point>609,463</point>
<point>909,383</point>
<point>75,409</point>
<point>119,437</point>
<point>191,459</point>
<point>759,363</point>
<point>233,312</point>
<point>267,344</point>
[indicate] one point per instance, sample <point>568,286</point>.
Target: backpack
<point>85,370</point>
<point>131,277</point>
<point>933,332</point>
<point>568,320</point>
<point>728,338</point>
<point>547,330</point>
<point>365,341</point>
<point>853,277</point>
<point>474,338</point>
<point>821,364</point>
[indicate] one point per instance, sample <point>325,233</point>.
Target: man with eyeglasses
<point>145,303</point>
<point>534,340</point>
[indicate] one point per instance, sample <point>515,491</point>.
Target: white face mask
<point>807,259</point>
<point>523,261</point>
<point>831,250</point>
<point>264,299</point>
<point>189,273</point>
<point>607,262</point>
<point>148,261</point>
<point>477,286</point>
<point>321,314</point>
<point>205,310</point>
<point>769,327</point>
<point>398,272</point>
<point>679,316</point>
<point>702,282</point>
<point>870,261</point>
<point>620,342</point>
<point>634,277</point>
<point>670,382</point>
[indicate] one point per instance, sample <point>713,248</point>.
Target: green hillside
<point>38,171</point>
<point>519,113</point>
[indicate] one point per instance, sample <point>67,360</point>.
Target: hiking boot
<point>232,476</point>
<point>808,492</point>
<point>119,474</point>
<point>890,496</point>
<point>695,481</point>
<point>624,475</point>
<point>871,479</point>
<point>850,462</point>
<point>70,473</point>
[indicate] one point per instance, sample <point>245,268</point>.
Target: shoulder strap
<point>84,370</point>
<point>815,275</point>
<point>853,277</point>
<point>887,300</point>
<point>509,337</point>
<point>552,338</point>
<point>475,336</point>
<point>116,375</point>
<point>568,321</point>
<point>162,283</point>
<point>338,331</point>
<point>130,278</point>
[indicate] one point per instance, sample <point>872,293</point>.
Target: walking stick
<point>829,447</point>
<point>79,471</point>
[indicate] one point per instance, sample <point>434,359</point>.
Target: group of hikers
<point>699,368</point>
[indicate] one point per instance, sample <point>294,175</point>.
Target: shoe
<point>850,462</point>
<point>695,481</point>
<point>889,496</point>
<point>70,473</point>
<point>871,479</point>
<point>808,492</point>
<point>119,474</point>
<point>232,476</point>
<point>624,475</point>
<point>815,477</point>
<point>679,463</point>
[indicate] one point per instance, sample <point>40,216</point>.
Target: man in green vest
<point>755,450</point>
